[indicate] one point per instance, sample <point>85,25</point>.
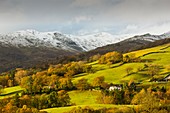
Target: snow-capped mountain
<point>29,48</point>
<point>32,38</point>
<point>150,38</point>
<point>90,42</point>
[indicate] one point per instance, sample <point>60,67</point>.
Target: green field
<point>94,106</point>
<point>11,91</point>
<point>112,75</point>
<point>118,74</point>
<point>84,97</point>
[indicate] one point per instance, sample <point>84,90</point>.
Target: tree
<point>65,83</point>
<point>88,69</point>
<point>112,57</point>
<point>137,99</point>
<point>19,75</point>
<point>16,100</point>
<point>148,101</point>
<point>94,58</point>
<point>82,84</point>
<point>26,82</point>
<point>54,82</point>
<point>63,98</point>
<point>9,108</point>
<point>25,109</point>
<point>53,99</point>
<point>1,89</point>
<point>98,81</point>
<point>153,70</point>
<point>126,59</point>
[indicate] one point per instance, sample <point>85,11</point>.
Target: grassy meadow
<point>11,91</point>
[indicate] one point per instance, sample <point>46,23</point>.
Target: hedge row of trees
<point>151,100</point>
<point>9,108</point>
<point>14,77</point>
<point>115,57</point>
<point>36,102</point>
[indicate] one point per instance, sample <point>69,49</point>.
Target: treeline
<point>59,72</point>
<point>42,88</point>
<point>115,57</point>
<point>39,101</point>
<point>150,100</point>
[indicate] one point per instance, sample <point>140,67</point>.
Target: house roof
<point>167,77</point>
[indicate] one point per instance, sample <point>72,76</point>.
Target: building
<point>115,87</point>
<point>167,78</point>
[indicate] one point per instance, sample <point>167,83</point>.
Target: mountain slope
<point>30,48</point>
<point>132,44</point>
<point>32,38</point>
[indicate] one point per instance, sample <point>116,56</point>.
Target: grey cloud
<point>82,15</point>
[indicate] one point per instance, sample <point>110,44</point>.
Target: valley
<point>136,73</point>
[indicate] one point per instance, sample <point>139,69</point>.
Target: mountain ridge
<point>32,38</point>
<point>41,51</point>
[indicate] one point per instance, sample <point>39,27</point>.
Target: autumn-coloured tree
<point>112,57</point>
<point>4,80</point>
<point>26,109</point>
<point>54,82</point>
<point>20,74</point>
<point>63,98</point>
<point>126,59</point>
<point>137,99</point>
<point>65,83</point>
<point>94,58</point>
<point>82,84</point>
<point>153,70</point>
<point>9,108</point>
<point>98,81</point>
<point>53,99</point>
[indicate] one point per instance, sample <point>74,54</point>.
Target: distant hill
<point>127,45</point>
<point>31,48</point>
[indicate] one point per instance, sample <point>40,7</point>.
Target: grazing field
<point>94,106</point>
<point>11,91</point>
<point>112,75</point>
<point>116,73</point>
<point>84,97</point>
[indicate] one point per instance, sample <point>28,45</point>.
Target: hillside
<point>31,48</point>
<point>128,45</point>
<point>57,40</point>
<point>159,55</point>
<point>82,95</point>
<point>117,74</point>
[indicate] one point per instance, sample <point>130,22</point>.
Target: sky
<point>86,16</point>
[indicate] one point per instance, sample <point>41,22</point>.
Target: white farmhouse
<point>112,88</point>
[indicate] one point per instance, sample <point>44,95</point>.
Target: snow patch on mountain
<point>149,37</point>
<point>33,38</point>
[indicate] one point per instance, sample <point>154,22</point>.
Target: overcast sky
<point>86,16</point>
